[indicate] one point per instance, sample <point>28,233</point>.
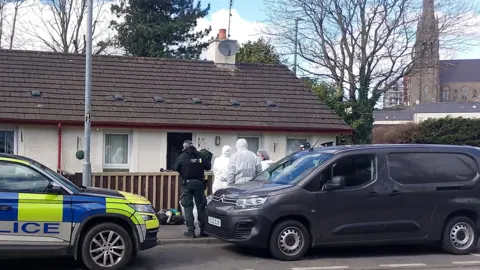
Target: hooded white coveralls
<point>219,168</point>
<point>244,165</point>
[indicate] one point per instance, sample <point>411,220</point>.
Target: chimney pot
<point>222,34</point>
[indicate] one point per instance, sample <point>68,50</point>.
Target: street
<point>226,256</point>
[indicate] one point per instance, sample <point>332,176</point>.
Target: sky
<point>248,19</point>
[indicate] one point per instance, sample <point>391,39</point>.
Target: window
<point>357,170</point>
<point>17,178</point>
<point>293,168</point>
<point>424,168</point>
<point>253,143</point>
<point>117,151</point>
<point>294,145</point>
<point>7,142</point>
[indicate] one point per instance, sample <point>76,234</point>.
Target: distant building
<point>433,80</point>
<point>395,96</point>
<point>423,112</point>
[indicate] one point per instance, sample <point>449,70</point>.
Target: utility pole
<point>87,166</point>
<point>229,18</point>
<point>296,46</point>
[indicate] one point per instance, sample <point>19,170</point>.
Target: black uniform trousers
<point>194,190</point>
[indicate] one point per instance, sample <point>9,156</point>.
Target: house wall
<point>147,147</point>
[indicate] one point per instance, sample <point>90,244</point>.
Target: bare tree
<point>364,46</point>
<point>16,6</point>
<point>63,24</point>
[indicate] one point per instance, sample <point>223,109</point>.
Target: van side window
<point>431,168</point>
<point>357,170</point>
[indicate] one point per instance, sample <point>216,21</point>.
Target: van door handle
<point>5,207</point>
<point>372,194</point>
<point>394,193</point>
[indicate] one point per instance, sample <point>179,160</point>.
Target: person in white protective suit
<point>265,158</point>
<point>220,166</point>
<point>244,165</point>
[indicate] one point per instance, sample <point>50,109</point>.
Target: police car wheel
<point>106,246</point>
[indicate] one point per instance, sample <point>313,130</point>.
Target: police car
<point>41,212</point>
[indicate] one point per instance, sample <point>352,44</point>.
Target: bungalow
<point>144,108</point>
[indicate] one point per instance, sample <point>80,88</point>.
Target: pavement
<point>173,234</point>
<point>203,256</point>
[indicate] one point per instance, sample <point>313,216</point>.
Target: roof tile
<point>60,78</point>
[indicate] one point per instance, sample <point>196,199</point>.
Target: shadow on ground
<point>349,252</point>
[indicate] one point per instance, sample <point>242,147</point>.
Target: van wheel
<point>106,246</point>
<point>460,236</point>
<point>289,241</point>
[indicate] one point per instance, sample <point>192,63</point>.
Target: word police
<point>29,228</point>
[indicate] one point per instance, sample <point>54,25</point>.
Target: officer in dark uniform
<point>191,166</point>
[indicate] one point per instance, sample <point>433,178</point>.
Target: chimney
<point>225,54</point>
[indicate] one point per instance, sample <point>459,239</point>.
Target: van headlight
<point>250,203</point>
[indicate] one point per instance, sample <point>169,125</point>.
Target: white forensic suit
<point>244,165</point>
<point>219,168</point>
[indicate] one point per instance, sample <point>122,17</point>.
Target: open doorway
<point>175,145</point>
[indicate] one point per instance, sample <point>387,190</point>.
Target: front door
<point>356,212</point>
<point>28,215</point>
<point>175,146</point>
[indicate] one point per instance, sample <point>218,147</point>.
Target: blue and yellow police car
<point>43,212</point>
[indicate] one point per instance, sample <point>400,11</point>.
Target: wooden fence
<point>162,189</point>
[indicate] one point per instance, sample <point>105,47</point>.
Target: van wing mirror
<point>338,182</point>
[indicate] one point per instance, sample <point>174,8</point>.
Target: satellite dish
<point>228,47</point>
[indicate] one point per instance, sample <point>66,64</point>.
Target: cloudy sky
<point>34,19</point>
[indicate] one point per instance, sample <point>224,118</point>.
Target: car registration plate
<point>215,221</point>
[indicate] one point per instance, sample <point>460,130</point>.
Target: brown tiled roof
<point>60,78</point>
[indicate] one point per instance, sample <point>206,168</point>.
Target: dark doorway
<point>174,146</point>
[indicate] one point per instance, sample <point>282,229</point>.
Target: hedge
<point>448,130</point>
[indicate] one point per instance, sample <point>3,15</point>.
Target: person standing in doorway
<point>265,158</point>
<point>244,165</point>
<point>220,166</point>
<point>191,167</point>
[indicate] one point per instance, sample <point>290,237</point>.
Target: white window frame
<point>294,138</point>
<point>15,140</point>
<point>129,155</point>
<point>251,136</point>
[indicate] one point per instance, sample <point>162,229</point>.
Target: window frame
<point>318,173</point>
<point>241,136</point>
<point>5,129</point>
<point>449,183</point>
<point>113,166</point>
<point>293,138</point>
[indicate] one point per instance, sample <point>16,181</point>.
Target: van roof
<point>347,148</point>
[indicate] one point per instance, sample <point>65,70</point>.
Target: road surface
<point>229,257</point>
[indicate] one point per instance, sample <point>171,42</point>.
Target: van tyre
<point>460,236</point>
<point>289,241</point>
<point>106,246</point>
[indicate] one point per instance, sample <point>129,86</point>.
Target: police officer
<point>191,166</point>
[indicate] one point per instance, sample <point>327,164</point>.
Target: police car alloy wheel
<point>106,246</point>
<point>289,241</point>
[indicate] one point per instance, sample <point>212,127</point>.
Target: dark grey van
<point>346,195</point>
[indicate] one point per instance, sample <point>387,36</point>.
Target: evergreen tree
<point>160,28</point>
<point>259,52</point>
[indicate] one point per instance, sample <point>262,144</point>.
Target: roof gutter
<point>185,127</point>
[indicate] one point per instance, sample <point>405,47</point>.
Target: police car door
<point>31,214</point>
